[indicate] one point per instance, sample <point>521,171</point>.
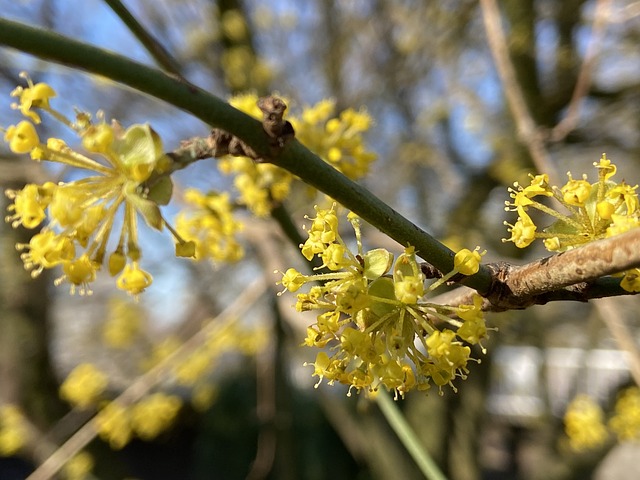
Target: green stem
<point>155,49</point>
<point>408,438</point>
<point>295,158</point>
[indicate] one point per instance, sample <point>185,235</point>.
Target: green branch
<point>408,437</point>
<point>155,49</point>
<point>295,158</point>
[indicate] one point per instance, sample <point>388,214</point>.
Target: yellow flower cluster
<point>625,423</point>
<point>338,140</point>
<point>242,68</point>
<point>13,432</point>
<point>79,467</point>
<point>146,418</point>
<point>124,321</point>
<point>259,184</point>
<point>127,177</point>
<point>372,317</point>
<point>209,223</point>
<point>584,424</point>
<point>83,386</point>
<point>593,211</point>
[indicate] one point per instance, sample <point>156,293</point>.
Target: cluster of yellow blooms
<point>209,223</point>
<point>127,177</point>
<point>13,432</point>
<point>372,317</point>
<point>85,385</point>
<point>241,67</point>
<point>626,421</point>
<point>147,418</point>
<point>584,424</point>
<point>79,467</point>
<point>338,140</point>
<point>83,388</point>
<point>585,421</point>
<point>123,322</point>
<point>594,211</point>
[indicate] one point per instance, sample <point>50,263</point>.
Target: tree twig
<point>568,123</point>
<point>528,132</point>
<point>614,319</point>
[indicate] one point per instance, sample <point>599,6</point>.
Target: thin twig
<point>568,123</point>
<point>528,131</point>
<point>615,321</point>
<point>150,43</point>
<point>408,437</point>
<point>143,384</point>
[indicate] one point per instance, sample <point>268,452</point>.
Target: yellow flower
<point>79,467</point>
<point>29,204</point>
<point>13,431</point>
<point>576,192</point>
<point>123,323</point>
<point>523,232</point>
<point>113,422</point>
<point>626,420</point>
<point>194,368</point>
<point>83,386</point>
<point>134,280</point>
<point>468,262</point>
<point>605,168</point>
<point>474,328</point>
<point>584,424</point>
<point>22,138</point>
<point>154,414</point>
<point>631,280</point>
<point>34,96</point>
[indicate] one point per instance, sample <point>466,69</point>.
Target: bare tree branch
<point>568,123</point>
<point>614,319</point>
<point>576,275</point>
<point>528,131</point>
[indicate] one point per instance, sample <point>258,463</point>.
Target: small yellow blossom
<point>576,192</point>
<point>584,424</point>
<point>154,414</point>
<point>468,262</point>
<point>34,96</point>
<point>79,467</point>
<point>631,280</point>
<point>134,280</point>
<point>203,396</point>
<point>13,431</point>
<point>626,421</point>
<point>113,422</point>
<point>523,233</point>
<point>22,138</point>
<point>83,386</point>
<point>123,323</point>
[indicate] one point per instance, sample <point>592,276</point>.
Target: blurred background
<point>447,147</point>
